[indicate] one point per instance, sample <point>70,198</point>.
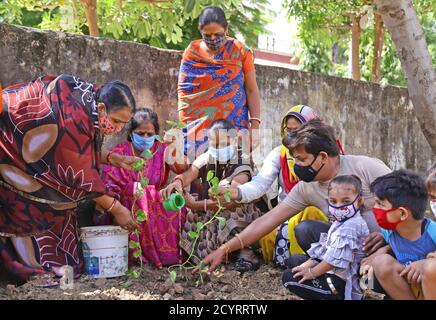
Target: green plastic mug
<point>174,203</point>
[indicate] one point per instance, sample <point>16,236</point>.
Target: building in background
<point>276,48</point>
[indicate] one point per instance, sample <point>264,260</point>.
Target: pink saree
<point>159,234</point>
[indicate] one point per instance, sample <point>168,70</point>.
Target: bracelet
<point>240,240</point>
<point>112,205</point>
<point>177,178</point>
<point>256,119</point>
<point>226,248</point>
<point>239,196</point>
<point>107,157</point>
<point>205,205</point>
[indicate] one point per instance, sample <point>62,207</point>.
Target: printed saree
<point>211,87</point>
<point>159,234</point>
<point>49,156</point>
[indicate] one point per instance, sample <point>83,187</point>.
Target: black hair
<point>402,188</point>
<point>116,95</point>
<point>315,136</point>
<point>430,182</point>
<point>351,179</point>
<point>212,14</point>
<point>141,115</point>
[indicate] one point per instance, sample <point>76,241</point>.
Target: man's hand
<point>374,242</point>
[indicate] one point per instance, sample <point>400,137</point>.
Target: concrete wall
<point>370,119</point>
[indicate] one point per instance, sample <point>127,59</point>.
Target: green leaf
<point>200,226</point>
<point>180,125</point>
<point>147,154</point>
<point>139,193</point>
<point>144,182</point>
<point>136,273</point>
<point>215,181</point>
<point>189,5</point>
<point>193,235</point>
<point>203,266</point>
<point>138,165</point>
<point>125,284</point>
<point>214,190</point>
<point>159,138</point>
<point>129,272</point>
<point>173,276</point>
<point>227,196</point>
<point>141,216</point>
<point>133,244</point>
<point>172,123</point>
<point>137,254</point>
<point>210,175</point>
<point>222,221</point>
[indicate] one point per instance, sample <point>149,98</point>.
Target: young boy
<point>401,201</point>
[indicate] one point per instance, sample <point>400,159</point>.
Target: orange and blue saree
<point>211,87</point>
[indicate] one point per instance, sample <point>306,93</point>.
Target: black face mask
<point>307,173</point>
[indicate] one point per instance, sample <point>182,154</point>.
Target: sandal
<point>44,281</point>
<point>243,265</point>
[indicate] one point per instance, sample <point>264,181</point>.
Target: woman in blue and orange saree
<point>217,80</point>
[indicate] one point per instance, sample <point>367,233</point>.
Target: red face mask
<point>106,126</point>
<point>382,220</point>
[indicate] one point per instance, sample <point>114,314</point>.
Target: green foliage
<point>319,30</point>
<point>138,165</point>
<point>167,24</point>
<point>195,235</point>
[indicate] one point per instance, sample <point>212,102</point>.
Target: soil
<point>154,284</point>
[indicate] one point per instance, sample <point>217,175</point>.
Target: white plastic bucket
<point>105,251</point>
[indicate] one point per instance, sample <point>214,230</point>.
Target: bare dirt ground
<point>154,284</point>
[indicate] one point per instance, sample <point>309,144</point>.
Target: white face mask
<point>433,206</point>
<point>344,212</point>
<point>222,154</point>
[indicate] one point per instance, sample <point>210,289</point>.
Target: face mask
<point>215,44</point>
<point>306,173</point>
<point>141,143</point>
<point>344,212</point>
<point>382,220</point>
<point>223,154</point>
<point>433,206</point>
<point>106,126</point>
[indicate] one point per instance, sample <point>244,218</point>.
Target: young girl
<point>331,270</point>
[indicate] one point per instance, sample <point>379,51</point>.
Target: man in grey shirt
<point>317,161</point>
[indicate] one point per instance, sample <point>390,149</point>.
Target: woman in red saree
<point>50,149</point>
<point>159,234</point>
<point>217,80</point>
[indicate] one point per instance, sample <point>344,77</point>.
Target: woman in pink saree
<point>159,234</point>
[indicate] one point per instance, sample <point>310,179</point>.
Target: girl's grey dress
<point>342,247</point>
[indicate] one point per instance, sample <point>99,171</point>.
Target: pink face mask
<point>106,126</point>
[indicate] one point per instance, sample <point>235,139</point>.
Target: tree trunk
<point>91,16</point>
<point>355,45</point>
<point>378,47</point>
<point>400,19</point>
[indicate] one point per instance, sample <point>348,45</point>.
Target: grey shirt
<point>315,193</point>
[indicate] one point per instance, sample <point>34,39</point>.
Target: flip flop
<point>243,265</point>
<point>44,281</point>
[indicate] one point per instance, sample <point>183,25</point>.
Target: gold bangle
<point>112,205</point>
<point>240,240</point>
<point>226,248</point>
